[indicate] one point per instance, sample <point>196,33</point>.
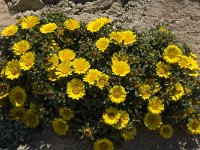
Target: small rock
<point>67,9</point>
<point>9,4</point>
<point>23,5</point>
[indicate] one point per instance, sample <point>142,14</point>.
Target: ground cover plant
<point>96,81</point>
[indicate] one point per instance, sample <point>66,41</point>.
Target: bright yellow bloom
<point>111,116</point>
<point>72,24</point>
<point>27,61</point>
<point>177,92</point>
<point>194,126</point>
<point>63,69</point>
<point>17,113</point>
<point>192,55</point>
<point>102,44</point>
<point>54,61</point>
<point>163,70</point>
<point>120,68</point>
<point>75,89</point>
<point>172,53</point>
<point>31,120</point>
<point>145,91</point>
<point>17,96</point>
<point>66,113</point>
<point>104,20</point>
<point>13,70</point>
<point>3,90</point>
<point>60,126</point>
<point>193,64</point>
<point>10,30</point>
<point>129,133</point>
<point>123,120</point>
<point>21,47</point>
<point>103,144</point>
<point>152,121</point>
<point>129,37</point>
<point>117,36</point>
<point>117,94</point>
<point>155,106</point>
<point>163,29</point>
<point>80,65</point>
<point>166,131</point>
<point>193,73</point>
<point>184,61</point>
<point>52,75</point>
<point>29,22</point>
<point>92,76</point>
<point>66,55</point>
<point>48,28</point>
<point>95,26</point>
<point>103,81</point>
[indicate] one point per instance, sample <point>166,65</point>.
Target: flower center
<point>19,96</point>
<point>117,94</point>
<point>172,54</point>
<point>61,125</point>
<point>76,89</point>
<point>15,70</point>
<point>195,125</point>
<point>166,130</point>
<point>103,146</point>
<point>151,119</point>
<point>111,115</point>
<point>161,71</point>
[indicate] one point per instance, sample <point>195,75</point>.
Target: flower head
<point>103,81</point>
<point>152,121</point>
<point>60,126</point>
<point>172,53</point>
<point>54,61</point>
<point>21,47</point>
<point>27,61</point>
<point>95,26</point>
<point>102,44</point>
<point>66,55</point>
<point>66,113</point>
<point>104,20</point>
<point>17,113</point>
<point>117,36</point>
<point>10,30</point>
<point>29,22</point>
<point>92,76</point>
<point>129,37</point>
<point>163,70</point>
<point>72,24</point>
<point>166,131</point>
<point>63,69</point>
<point>103,144</point>
<point>48,28</point>
<point>194,126</point>
<point>128,133</point>
<point>12,70</point>
<point>184,61</point>
<point>155,106</point>
<point>177,92</point>
<point>80,65</point>
<point>111,116</point>
<point>117,94</point>
<point>31,119</point>
<point>120,68</point>
<point>145,91</point>
<point>123,120</point>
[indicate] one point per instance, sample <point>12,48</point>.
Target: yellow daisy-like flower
<point>12,70</point>
<point>123,120</point>
<point>152,121</point>
<point>155,106</point>
<point>117,94</point>
<point>66,113</point>
<point>111,116</point>
<point>192,55</point>
<point>194,126</point>
<point>184,61</point>
<point>103,81</point>
<point>52,75</point>
<point>104,20</point>
<point>75,89</point>
<point>54,61</point>
<point>3,90</point>
<point>166,131</point>
<point>63,69</point>
<point>103,144</point>
<point>172,53</point>
<point>193,64</point>
<point>66,55</point>
<point>60,126</point>
<point>95,26</point>
<point>177,92</point>
<point>80,65</point>
<point>27,61</point>
<point>72,24</point>
<point>10,30</point>
<point>163,29</point>
<point>120,68</point>
<point>145,91</point>
<point>21,47</point>
<point>163,70</point>
<point>17,96</point>
<point>129,133</point>
<point>29,22</point>
<point>31,120</point>
<point>102,44</point>
<point>193,73</point>
<point>48,28</point>
<point>17,113</point>
<point>92,76</point>
<point>129,37</point>
<point>117,36</point>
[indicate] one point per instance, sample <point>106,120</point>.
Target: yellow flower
<point>193,73</point>
<point>117,36</point>
<point>3,90</point>
<point>95,26</point>
<point>192,55</point>
<point>111,116</point>
<point>152,121</point>
<point>92,76</point>
<point>29,22</point>
<point>172,53</point>
<point>54,61</point>
<point>194,126</point>
<point>13,70</point>
<point>80,65</point>
<point>27,61</point>
<point>120,68</point>
<point>52,75</point>
<point>17,113</point>
<point>184,61</point>
<point>31,120</point>
<point>48,28</point>
<point>177,92</point>
<point>129,37</point>
<point>103,81</point>
<point>163,29</point>
<point>193,64</point>
<point>72,24</point>
<point>145,91</point>
<point>10,30</point>
<point>163,70</point>
<point>17,96</point>
<point>123,120</point>
<point>66,55</point>
<point>166,131</point>
<point>129,133</point>
<point>104,20</point>
<point>21,47</point>
<point>75,89</point>
<point>117,94</point>
<point>155,106</point>
<point>60,126</point>
<point>66,113</point>
<point>63,69</point>
<point>103,144</point>
<point>102,44</point>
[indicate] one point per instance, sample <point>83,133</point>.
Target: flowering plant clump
<point>97,82</point>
